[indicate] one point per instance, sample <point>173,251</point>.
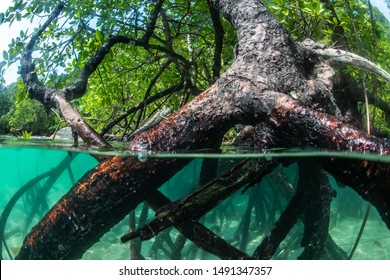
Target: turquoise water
<point>22,161</point>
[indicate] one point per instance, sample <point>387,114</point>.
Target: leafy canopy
<point>182,43</point>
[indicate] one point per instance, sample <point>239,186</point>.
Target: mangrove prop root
<point>297,126</point>
<point>245,222</point>
<point>317,214</point>
<point>179,245</point>
<point>135,244</point>
<point>198,233</point>
<point>284,224</point>
<point>80,211</point>
<point>53,175</point>
<point>360,232</point>
<point>198,203</point>
<point>309,192</point>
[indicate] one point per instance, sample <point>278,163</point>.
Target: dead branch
<point>344,57</point>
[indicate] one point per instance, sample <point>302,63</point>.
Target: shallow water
<point>23,160</point>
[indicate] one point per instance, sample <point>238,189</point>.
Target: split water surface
<point>47,169</point>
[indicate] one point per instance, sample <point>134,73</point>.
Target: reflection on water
<point>48,169</point>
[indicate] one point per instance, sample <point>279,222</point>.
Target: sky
<point>7,34</point>
<point>381,4</point>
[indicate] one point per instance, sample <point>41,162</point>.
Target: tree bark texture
<point>274,84</point>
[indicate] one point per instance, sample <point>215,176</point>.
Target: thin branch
<point>140,105</point>
<point>169,52</point>
<point>218,37</point>
<point>150,87</point>
<point>78,89</point>
<point>152,24</point>
<point>156,77</point>
<point>167,30</point>
<point>139,28</point>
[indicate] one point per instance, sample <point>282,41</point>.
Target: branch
<point>195,205</point>
<point>155,78</point>
<point>167,30</point>
<point>152,24</point>
<point>218,37</point>
<point>150,87</point>
<point>26,62</point>
<point>52,97</point>
<point>140,105</point>
<point>169,52</point>
<point>78,89</point>
<point>344,57</point>
<point>152,121</point>
<point>370,177</point>
<point>198,233</point>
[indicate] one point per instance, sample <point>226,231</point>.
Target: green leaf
<point>26,135</point>
<point>99,36</point>
<point>307,10</point>
<point>5,55</point>
<point>276,8</point>
<point>1,18</point>
<point>18,16</point>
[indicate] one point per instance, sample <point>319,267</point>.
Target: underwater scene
<point>35,174</point>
